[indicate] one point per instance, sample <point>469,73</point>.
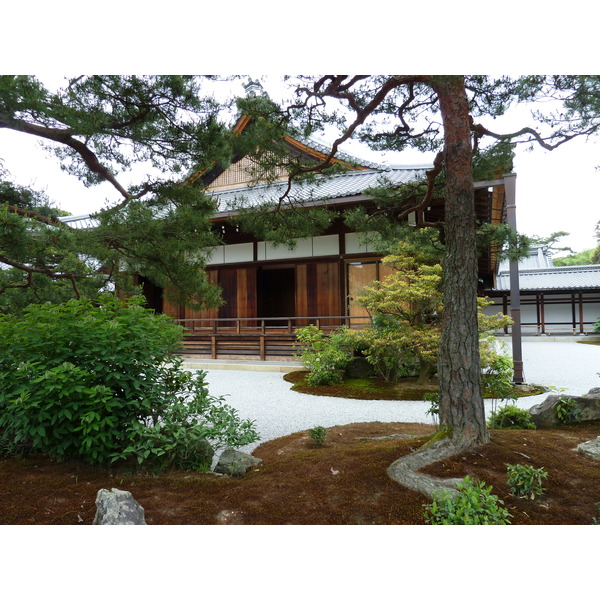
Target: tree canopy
<point>101,128</point>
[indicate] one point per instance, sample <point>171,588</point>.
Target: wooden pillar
<point>581,328</point>
<point>515,297</point>
<point>543,314</point>
<point>262,351</point>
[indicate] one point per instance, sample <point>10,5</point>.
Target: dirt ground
<point>343,482</point>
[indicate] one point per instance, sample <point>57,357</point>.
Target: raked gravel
<point>266,398</point>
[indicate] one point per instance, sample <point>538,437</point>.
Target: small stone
<point>590,449</point>
<point>235,463</point>
<point>229,517</point>
<point>117,507</point>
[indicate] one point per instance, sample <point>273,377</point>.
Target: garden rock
<point>358,368</point>
<point>235,463</point>
<point>117,507</point>
<point>544,414</point>
<point>590,449</point>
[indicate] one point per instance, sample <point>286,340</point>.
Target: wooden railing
<point>266,325</point>
<point>262,338</point>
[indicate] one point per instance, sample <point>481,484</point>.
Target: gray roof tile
<point>343,185</point>
<point>554,278</point>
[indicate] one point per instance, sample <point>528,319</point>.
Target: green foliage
<point>188,428</point>
<point>525,481</point>
<point>386,350</point>
<point>434,409</point>
<point>585,257</point>
<point>318,435</point>
<point>100,127</point>
<point>568,411</point>
<point>100,382</point>
<point>472,504</point>
<point>411,301</point>
<point>497,377</point>
<point>596,521</point>
<point>511,417</point>
<point>324,356</point>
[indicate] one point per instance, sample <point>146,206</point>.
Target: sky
<point>556,191</point>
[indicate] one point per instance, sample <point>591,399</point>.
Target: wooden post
<point>543,314</point>
<point>581,329</point>
<point>213,346</point>
<point>515,295</point>
<point>262,347</point>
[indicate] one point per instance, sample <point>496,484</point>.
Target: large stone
<point>544,414</point>
<point>117,507</point>
<point>590,449</point>
<point>235,463</point>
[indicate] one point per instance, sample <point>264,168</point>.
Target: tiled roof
<point>539,258</point>
<point>554,278</point>
<point>537,273</point>
<point>343,185</point>
<point>79,221</point>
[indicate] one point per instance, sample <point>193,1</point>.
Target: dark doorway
<point>277,292</point>
<point>152,293</point>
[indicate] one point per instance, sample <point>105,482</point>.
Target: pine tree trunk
<point>461,399</point>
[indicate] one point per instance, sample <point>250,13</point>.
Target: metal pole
<point>515,295</point>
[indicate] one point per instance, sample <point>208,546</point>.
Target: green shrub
<point>496,377</point>
<point>472,504</point>
<point>511,417</point>
<point>385,347</point>
<point>324,356</point>
<point>318,435</point>
<point>525,481</point>
<point>100,382</point>
<point>568,411</point>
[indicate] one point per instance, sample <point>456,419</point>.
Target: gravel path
<point>267,399</point>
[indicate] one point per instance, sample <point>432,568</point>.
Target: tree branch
<point>42,270</point>
<point>65,137</point>
<point>34,215</point>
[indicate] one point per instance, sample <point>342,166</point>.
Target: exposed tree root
<point>404,470</point>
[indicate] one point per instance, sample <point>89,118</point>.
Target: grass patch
<point>378,389</point>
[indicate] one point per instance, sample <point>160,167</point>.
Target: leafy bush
<point>496,377</point>
<point>324,356</point>
<point>318,435</point>
<point>472,504</point>
<point>101,382</point>
<point>511,417</point>
<point>525,481</point>
<point>385,347</point>
<point>568,411</point>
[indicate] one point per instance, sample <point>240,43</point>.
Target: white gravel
<point>266,398</point>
